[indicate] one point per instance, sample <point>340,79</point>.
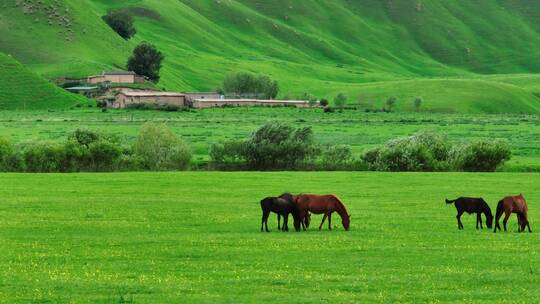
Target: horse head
<point>346,222</point>
<point>489,220</point>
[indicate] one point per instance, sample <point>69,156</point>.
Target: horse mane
<point>340,207</point>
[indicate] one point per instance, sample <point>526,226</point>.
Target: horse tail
<point>450,201</point>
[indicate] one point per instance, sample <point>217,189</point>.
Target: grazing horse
<point>281,207</point>
<point>322,204</point>
<point>291,198</point>
<point>513,204</point>
<point>472,205</point>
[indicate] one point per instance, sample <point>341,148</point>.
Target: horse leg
<point>286,222</point>
<point>525,222</point>
<point>497,225</point>
<point>478,220</point>
<point>278,223</point>
<point>265,220</point>
<point>506,216</point>
<point>329,221</point>
<point>459,224</point>
<point>323,219</point>
<point>302,216</point>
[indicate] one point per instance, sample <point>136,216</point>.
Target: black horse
<point>292,199</point>
<point>281,207</point>
<point>472,205</point>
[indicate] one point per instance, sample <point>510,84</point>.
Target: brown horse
<point>322,204</point>
<point>292,199</point>
<point>513,204</point>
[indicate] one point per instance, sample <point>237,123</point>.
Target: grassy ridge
<point>21,89</point>
<point>194,238</point>
<point>322,47</point>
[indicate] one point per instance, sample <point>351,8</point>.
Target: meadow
<point>194,237</point>
<point>356,128</point>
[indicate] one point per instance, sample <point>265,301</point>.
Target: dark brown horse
<point>291,198</point>
<point>281,207</point>
<point>322,204</point>
<point>472,205</point>
<point>513,204</point>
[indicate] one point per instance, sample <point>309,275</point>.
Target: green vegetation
<point>355,128</point>
<point>156,148</point>
<point>121,22</point>
<point>433,152</point>
<point>21,89</point>
<point>250,85</point>
<point>454,55</point>
<point>146,60</point>
<point>165,237</point>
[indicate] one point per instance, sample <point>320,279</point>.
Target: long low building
<point>126,98</point>
<point>209,103</point>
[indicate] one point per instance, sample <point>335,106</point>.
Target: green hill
<point>316,46</point>
<point>22,89</point>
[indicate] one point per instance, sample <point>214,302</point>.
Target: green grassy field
<point>194,238</point>
<point>358,129</point>
<point>454,55</point>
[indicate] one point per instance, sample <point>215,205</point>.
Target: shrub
<point>5,152</point>
<point>158,148</point>
<point>146,60</point>
<point>418,103</point>
<point>121,22</point>
<point>42,157</point>
<point>482,155</point>
<point>272,146</point>
<point>390,102</point>
<point>420,152</point>
<point>340,100</point>
<point>103,155</point>
<point>324,102</point>
<point>241,83</point>
<point>84,136</point>
<point>336,157</point>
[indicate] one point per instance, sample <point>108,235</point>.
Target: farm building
<point>88,91</point>
<point>126,98</point>
<point>191,96</point>
<point>116,77</point>
<point>209,103</point>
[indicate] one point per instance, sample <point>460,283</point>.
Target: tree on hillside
<point>146,60</point>
<point>417,103</point>
<point>340,100</point>
<point>121,22</point>
<point>246,83</point>
<point>390,102</point>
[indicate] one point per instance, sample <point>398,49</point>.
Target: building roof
<point>119,73</point>
<point>81,88</point>
<point>201,93</point>
<point>151,94</point>
<point>269,101</point>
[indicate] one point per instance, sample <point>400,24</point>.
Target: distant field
<point>358,129</point>
<point>194,238</point>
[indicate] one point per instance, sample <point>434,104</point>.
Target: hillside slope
<point>315,46</point>
<point>21,89</point>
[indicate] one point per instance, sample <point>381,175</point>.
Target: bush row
<point>431,152</point>
<point>276,146</point>
<point>156,148</point>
